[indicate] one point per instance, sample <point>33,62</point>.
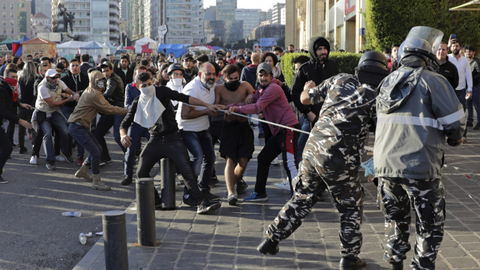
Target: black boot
<point>268,246</point>
<point>351,263</point>
<point>396,265</point>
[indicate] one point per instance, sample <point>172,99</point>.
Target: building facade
<point>226,10</point>
<point>184,20</point>
<point>340,21</point>
<point>43,6</point>
<point>94,19</point>
<point>15,19</point>
<point>226,31</point>
<point>277,13</point>
<point>40,24</point>
<point>250,18</point>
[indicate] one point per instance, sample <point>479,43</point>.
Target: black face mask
<point>232,85</point>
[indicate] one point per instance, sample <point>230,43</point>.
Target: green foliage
<point>389,21</point>
<point>346,63</point>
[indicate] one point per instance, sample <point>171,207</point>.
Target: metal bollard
<point>168,183</point>
<point>146,212</point>
<point>115,238</point>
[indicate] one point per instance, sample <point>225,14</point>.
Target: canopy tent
<point>110,46</point>
<point>69,49</point>
<point>217,48</point>
<point>94,48</point>
<point>7,42</point>
<point>200,48</point>
<point>145,45</point>
<point>37,45</point>
<point>177,49</point>
<point>129,48</point>
<point>17,46</point>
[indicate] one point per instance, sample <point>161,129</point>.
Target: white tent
<point>143,41</point>
<point>110,46</point>
<point>69,49</point>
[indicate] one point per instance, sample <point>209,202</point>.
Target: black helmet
<point>372,68</point>
<point>175,66</point>
<point>415,46</point>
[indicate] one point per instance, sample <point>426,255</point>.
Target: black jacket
<point>6,103</point>
<point>115,91</point>
<point>190,74</point>
<point>27,90</point>
<point>74,85</point>
<point>169,124</point>
<point>475,67</point>
<point>128,78</point>
<point>449,71</point>
<point>84,67</point>
<point>315,71</point>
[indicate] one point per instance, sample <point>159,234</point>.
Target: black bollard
<point>146,212</point>
<point>168,183</point>
<point>115,238</point>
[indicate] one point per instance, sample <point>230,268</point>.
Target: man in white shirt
<point>193,124</point>
<point>464,88</point>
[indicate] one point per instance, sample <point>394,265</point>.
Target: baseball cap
<point>106,64</point>
<point>187,56</point>
<point>51,73</point>
<point>265,67</point>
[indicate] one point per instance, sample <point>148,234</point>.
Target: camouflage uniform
<point>333,154</point>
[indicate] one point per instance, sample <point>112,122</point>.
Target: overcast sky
<point>262,4</point>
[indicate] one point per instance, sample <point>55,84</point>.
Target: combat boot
<point>351,263</point>
<point>98,184</point>
<point>83,173</point>
<point>268,246</point>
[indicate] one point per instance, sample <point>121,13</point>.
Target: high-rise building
<point>250,18</point>
<point>210,14</point>
<point>16,19</point>
<point>94,19</point>
<point>283,17</point>
<point>225,31</point>
<point>226,10</point>
<point>262,16</point>
<point>42,6</point>
<point>277,12</point>
<point>184,20</point>
<point>124,7</point>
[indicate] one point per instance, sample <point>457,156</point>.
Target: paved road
<point>33,233</point>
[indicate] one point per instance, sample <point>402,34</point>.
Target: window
<point>4,6</point>
<point>11,6</point>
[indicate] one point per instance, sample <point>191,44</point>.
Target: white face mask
<point>177,81</point>
<point>100,84</point>
<point>148,91</point>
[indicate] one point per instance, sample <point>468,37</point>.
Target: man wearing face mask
<point>153,109</point>
<point>90,103</point>
<point>176,82</point>
<point>194,123</point>
<point>236,144</point>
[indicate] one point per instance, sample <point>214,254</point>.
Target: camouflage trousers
<point>427,198</point>
<point>346,191</point>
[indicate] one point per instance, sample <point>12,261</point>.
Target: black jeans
<point>5,149</point>
<point>26,115</point>
<point>173,147</point>
<point>103,125</point>
<point>284,142</point>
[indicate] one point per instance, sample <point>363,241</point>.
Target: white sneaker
<point>59,158</point>
<point>283,185</point>
<point>276,162</point>
<point>33,160</point>
<point>177,182</point>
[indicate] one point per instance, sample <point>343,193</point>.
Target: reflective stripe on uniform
<point>451,118</point>
<point>409,120</point>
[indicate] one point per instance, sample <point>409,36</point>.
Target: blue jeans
<point>58,122</point>
<point>67,111</point>
<point>302,139</point>
<point>474,101</point>
<point>103,125</point>
<point>461,97</point>
<point>136,132</point>
<point>85,138</point>
<point>200,146</point>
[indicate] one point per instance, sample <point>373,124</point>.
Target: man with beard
<point>190,71</point>
<point>445,67</point>
<point>475,100</point>
<point>8,60</point>
<point>90,103</point>
<point>464,88</point>
<point>124,72</point>
<point>236,144</point>
<point>194,123</point>
<point>271,100</point>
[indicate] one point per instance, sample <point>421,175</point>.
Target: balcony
<point>113,4</point>
<point>114,27</point>
<point>114,11</point>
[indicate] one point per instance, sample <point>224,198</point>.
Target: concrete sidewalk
<point>227,238</point>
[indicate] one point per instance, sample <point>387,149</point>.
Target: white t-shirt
<point>196,89</point>
<point>44,93</point>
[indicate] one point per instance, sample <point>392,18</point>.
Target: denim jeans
<point>200,146</point>
<point>136,132</point>
<point>103,125</point>
<point>461,97</point>
<point>26,115</point>
<point>474,102</point>
<point>67,111</point>
<point>5,149</point>
<point>302,139</point>
<point>85,138</point>
<point>58,122</point>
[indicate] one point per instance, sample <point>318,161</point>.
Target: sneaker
<point>33,160</point>
<point>68,159</point>
<point>22,150</point>
<point>276,162</point>
<point>348,263</point>
<point>469,124</point>
<point>255,197</point>
<point>59,158</point>
<point>50,166</point>
<point>241,186</point>
<point>284,185</point>
<point>268,246</point>
<point>3,181</point>
<point>80,161</point>
<point>207,206</point>
<point>213,181</point>
<point>188,200</point>
<point>127,180</point>
<point>209,196</point>
<point>105,162</point>
<point>477,126</point>
<point>464,139</point>
<point>232,199</point>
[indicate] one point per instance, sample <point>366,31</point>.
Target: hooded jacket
<point>6,103</point>
<point>416,109</point>
<point>315,71</point>
<point>92,102</point>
